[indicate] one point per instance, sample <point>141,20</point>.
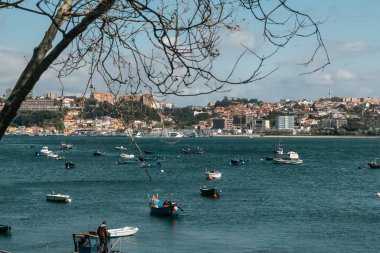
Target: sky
<point>350,32</point>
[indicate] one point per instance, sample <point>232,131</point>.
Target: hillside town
<point>231,116</point>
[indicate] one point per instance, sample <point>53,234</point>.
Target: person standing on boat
<point>103,237</point>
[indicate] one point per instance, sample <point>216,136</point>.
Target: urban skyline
<point>346,29</point>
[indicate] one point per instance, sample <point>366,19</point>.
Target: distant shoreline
<point>302,136</point>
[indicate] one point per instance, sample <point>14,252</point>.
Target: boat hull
<point>165,211</point>
<point>58,198</point>
<point>5,229</point>
<point>288,161</point>
<point>121,232</point>
<point>211,192</point>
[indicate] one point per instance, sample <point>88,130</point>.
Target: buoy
<point>175,209</point>
<point>215,195</point>
<point>162,171</point>
<point>378,194</point>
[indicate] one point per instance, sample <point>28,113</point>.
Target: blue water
<point>327,204</point>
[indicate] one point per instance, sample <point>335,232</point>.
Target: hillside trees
<point>160,47</point>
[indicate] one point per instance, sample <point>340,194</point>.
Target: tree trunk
<point>39,63</point>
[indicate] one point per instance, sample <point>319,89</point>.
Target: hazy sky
<point>350,31</point>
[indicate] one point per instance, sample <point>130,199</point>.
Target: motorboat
<point>69,165</point>
<point>57,197</point>
<point>210,191</point>
<point>5,229</point>
<point>122,148</point>
<point>175,134</point>
<point>291,157</point>
<point>66,146</point>
<point>86,242</point>
<point>238,161</point>
<point>44,151</point>
<point>145,164</point>
<point>373,164</point>
<point>214,174</point>
<point>278,152</point>
<point>97,153</point>
<point>121,232</point>
<point>164,207</point>
<point>127,156</point>
<point>190,150</point>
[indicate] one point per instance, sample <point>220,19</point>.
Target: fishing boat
<point>98,153</point>
<point>122,148</point>
<point>150,165</point>
<point>44,151</point>
<point>164,207</point>
<point>373,164</point>
<point>5,229</point>
<point>69,165</point>
<point>214,174</point>
<point>238,161</point>
<point>190,150</point>
<point>279,151</point>
<point>65,146</point>
<point>57,197</point>
<point>86,242</point>
<point>210,191</point>
<point>121,232</point>
<point>290,157</point>
<point>127,156</point>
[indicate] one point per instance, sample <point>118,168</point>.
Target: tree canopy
<point>163,47</point>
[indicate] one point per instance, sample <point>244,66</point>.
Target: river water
<point>327,204</point>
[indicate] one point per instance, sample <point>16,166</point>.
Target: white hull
<point>120,232</point>
<point>58,198</point>
<point>213,175</point>
<point>287,161</point>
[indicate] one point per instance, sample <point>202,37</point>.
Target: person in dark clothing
<point>103,237</point>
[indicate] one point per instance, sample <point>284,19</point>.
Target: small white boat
<point>120,232</point>
<point>290,157</point>
<point>122,148</point>
<point>127,156</point>
<point>57,197</point>
<point>213,175</point>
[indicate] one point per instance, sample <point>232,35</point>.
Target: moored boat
<point>57,197</point>
<point>121,232</point>
<point>279,151</point>
<point>214,192</point>
<point>214,174</point>
<point>164,207</point>
<point>69,165</point>
<point>44,151</point>
<point>86,242</point>
<point>373,164</point>
<point>238,161</point>
<point>66,146</point>
<point>150,165</point>
<point>190,150</point>
<point>290,157</point>
<point>122,148</point>
<point>127,156</point>
<point>5,229</point>
<point>98,153</point>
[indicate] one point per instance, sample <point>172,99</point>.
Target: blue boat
<point>164,208</point>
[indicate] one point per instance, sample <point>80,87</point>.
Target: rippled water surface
<point>327,204</point>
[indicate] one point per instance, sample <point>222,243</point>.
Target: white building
<point>285,122</point>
